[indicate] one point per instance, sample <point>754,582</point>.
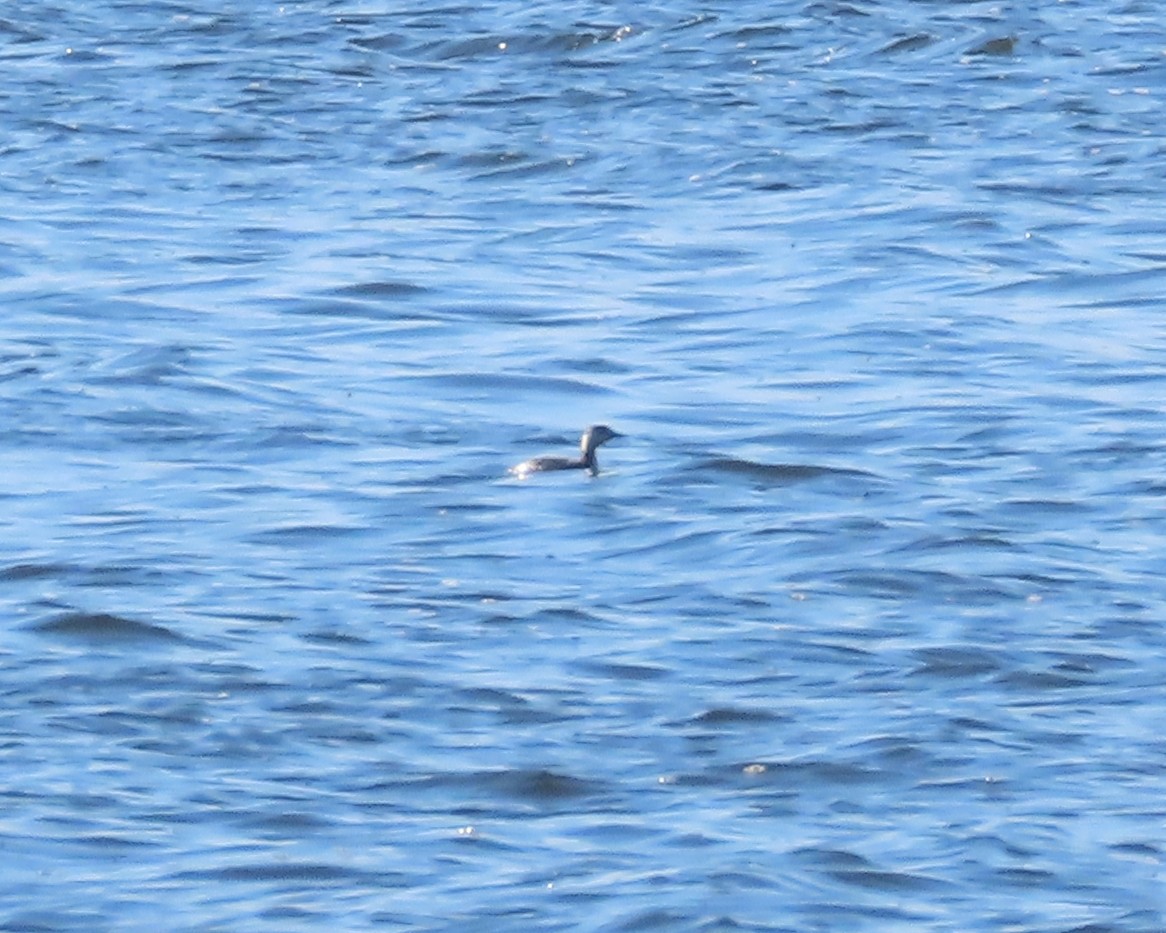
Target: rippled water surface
<point>859,628</point>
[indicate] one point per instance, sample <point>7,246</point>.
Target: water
<point>860,627</point>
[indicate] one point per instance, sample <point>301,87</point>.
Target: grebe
<point>594,436</point>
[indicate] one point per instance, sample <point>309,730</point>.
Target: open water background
<point>861,628</point>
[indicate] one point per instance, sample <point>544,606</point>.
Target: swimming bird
<point>594,436</point>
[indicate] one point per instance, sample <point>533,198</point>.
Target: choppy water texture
<point>860,628</point>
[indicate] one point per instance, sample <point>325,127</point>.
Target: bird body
<point>594,436</point>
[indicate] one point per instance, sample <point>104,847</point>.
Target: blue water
<point>859,628</point>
